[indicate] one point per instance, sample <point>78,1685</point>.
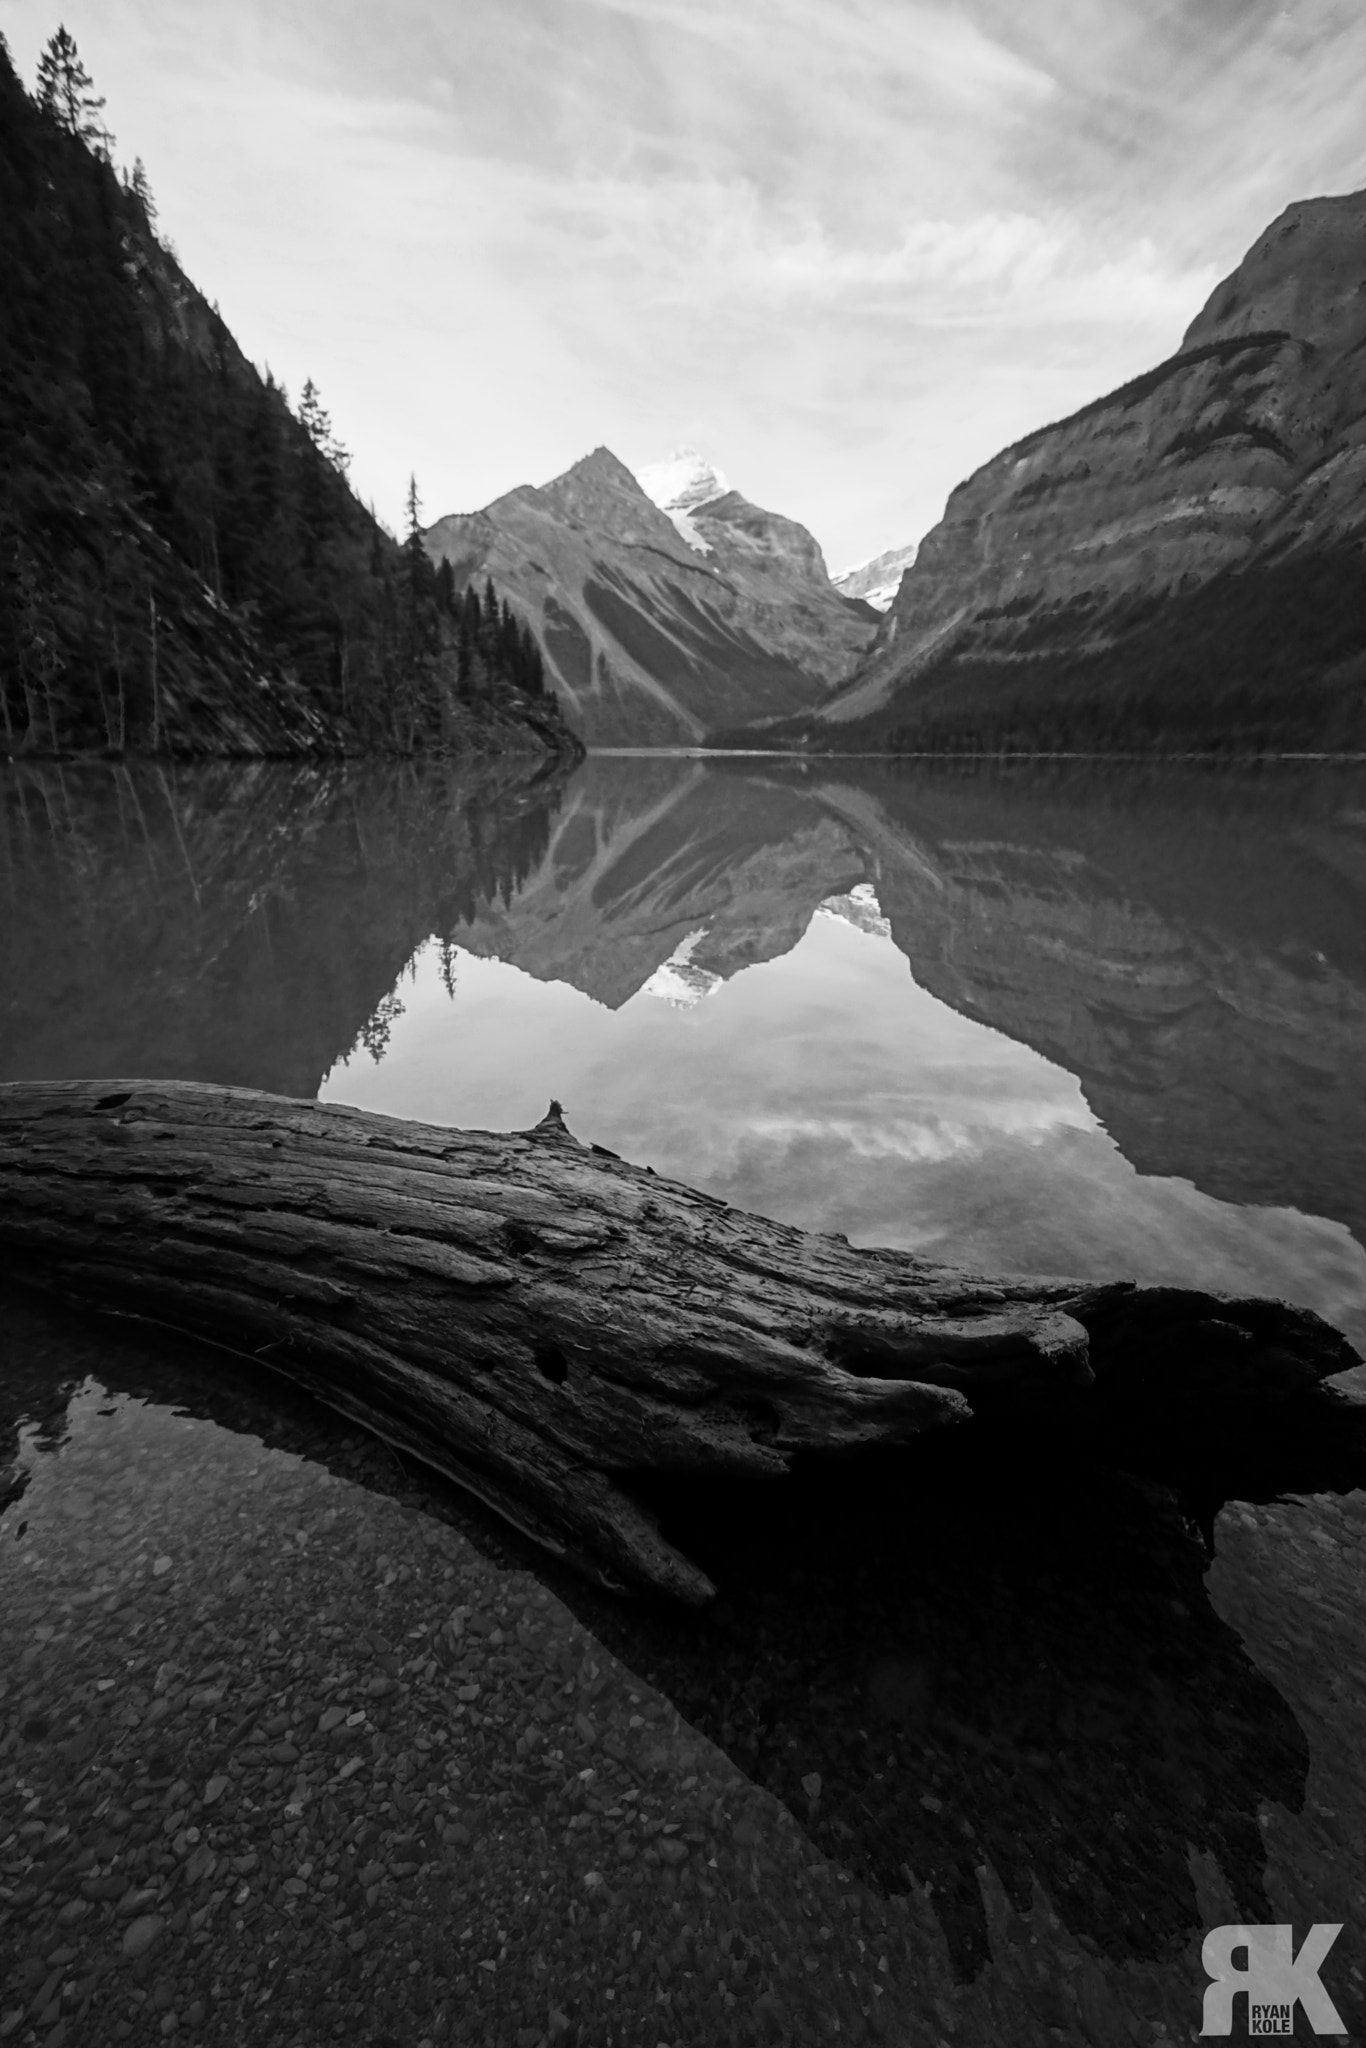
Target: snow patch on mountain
<point>677,982</point>
<point>860,908</point>
<point>678,485</point>
<point>877,580</point>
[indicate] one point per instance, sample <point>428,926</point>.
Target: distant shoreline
<point>80,757</point>
<point>948,754</point>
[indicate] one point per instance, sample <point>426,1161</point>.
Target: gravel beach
<point>294,1751</point>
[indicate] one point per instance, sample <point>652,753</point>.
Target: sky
<point>847,249</point>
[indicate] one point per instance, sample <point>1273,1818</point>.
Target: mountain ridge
<point>1179,562</point>
<point>653,630</point>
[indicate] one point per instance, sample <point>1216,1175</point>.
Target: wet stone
<point>141,1934</point>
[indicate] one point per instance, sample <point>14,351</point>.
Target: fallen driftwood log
<point>545,1323</point>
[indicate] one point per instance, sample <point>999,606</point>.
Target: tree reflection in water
<point>241,924</point>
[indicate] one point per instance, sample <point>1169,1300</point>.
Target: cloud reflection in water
<point>828,1089</point>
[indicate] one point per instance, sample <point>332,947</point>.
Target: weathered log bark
<point>540,1320</point>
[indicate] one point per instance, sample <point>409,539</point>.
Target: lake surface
<point>1097,1019</point>
<point>1050,1017</point>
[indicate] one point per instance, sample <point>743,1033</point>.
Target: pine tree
<point>318,426</point>
<point>531,668</point>
<point>67,92</point>
<point>424,704</point>
<point>470,670</point>
<point>421,575</point>
<point>141,190</point>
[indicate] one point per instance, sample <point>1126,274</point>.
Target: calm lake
<point>1075,1017</point>
<point>1062,1017</point>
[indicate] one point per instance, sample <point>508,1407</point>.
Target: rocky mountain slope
<point>656,626</point>
<point>1180,562</point>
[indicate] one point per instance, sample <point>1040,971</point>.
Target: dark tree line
<point>494,647</point>
<point>183,564</point>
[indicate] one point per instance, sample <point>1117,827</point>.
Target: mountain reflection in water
<point>1131,1036</point>
<point>1185,950</point>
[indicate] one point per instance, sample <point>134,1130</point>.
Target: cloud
<point>848,249</point>
<point>698,244</point>
<point>888,49</point>
<point>707,239</point>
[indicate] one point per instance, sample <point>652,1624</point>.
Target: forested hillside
<point>183,564</point>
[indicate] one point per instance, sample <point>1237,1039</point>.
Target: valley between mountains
<point>1178,565</point>
<point>185,569</point>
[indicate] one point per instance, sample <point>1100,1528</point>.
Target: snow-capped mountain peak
<point>678,485</point>
<point>877,581</point>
